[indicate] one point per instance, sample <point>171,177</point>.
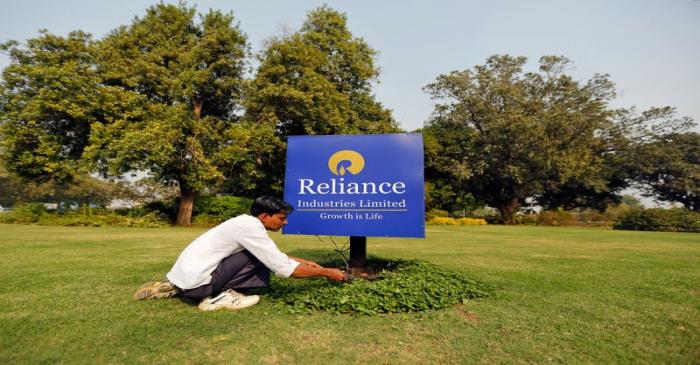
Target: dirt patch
<point>468,316</point>
<point>694,293</point>
<point>366,273</point>
<point>373,271</point>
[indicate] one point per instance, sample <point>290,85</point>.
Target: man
<point>236,254</point>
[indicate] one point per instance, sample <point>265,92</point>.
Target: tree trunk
<point>508,209</point>
<point>197,108</point>
<point>184,212</point>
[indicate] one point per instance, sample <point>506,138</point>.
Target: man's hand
<point>335,275</point>
<point>305,270</point>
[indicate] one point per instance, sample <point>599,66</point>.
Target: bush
<point>165,209</point>
<point>559,218</point>
<point>529,219</point>
<point>556,218</point>
<point>24,214</point>
<point>88,217</point>
<point>443,221</point>
<point>669,220</point>
<point>434,213</point>
<point>220,208</point>
<point>206,220</point>
<point>471,221</point>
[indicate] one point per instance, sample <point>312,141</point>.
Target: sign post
<point>358,252</point>
<point>357,186</point>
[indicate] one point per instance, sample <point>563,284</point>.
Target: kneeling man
<point>236,254</point>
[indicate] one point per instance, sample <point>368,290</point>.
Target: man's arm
<point>305,270</point>
<point>304,261</point>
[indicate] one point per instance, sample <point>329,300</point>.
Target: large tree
<point>315,81</point>
<point>49,96</point>
<point>510,136</point>
<point>188,78</point>
<point>669,168</point>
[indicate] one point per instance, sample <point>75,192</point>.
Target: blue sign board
<point>356,185</point>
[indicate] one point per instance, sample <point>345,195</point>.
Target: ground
<point>563,295</point>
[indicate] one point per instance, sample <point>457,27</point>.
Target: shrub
<point>165,209</point>
<point>530,219</point>
<point>443,221</point>
<point>471,221</point>
<point>556,218</point>
<point>206,220</point>
<point>593,218</point>
<point>670,220</point>
<point>220,208</point>
<point>36,214</point>
<point>24,214</point>
<point>434,213</point>
<point>613,213</point>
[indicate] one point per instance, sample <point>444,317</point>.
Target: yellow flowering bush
<point>443,221</point>
<point>447,221</point>
<point>471,221</point>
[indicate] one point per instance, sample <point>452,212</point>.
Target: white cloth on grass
<point>201,257</point>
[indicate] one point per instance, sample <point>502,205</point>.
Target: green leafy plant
<point>403,286</point>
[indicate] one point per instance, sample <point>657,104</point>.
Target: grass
<point>563,295</point>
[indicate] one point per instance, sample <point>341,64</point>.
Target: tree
<point>49,96</point>
<point>187,80</point>
<point>669,167</point>
<point>315,81</point>
<point>508,136</point>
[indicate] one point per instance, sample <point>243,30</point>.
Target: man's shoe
<point>156,290</point>
<point>229,299</point>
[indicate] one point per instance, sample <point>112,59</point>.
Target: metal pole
<point>358,252</point>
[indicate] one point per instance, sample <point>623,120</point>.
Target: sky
<point>650,49</point>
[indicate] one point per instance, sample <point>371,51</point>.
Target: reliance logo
<point>351,161</point>
<point>357,162</point>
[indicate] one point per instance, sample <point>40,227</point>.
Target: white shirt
<point>201,257</point>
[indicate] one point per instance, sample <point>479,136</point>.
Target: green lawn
<point>563,295</point>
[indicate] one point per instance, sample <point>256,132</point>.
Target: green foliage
<point>188,80</point>
<point>24,214</point>
<point>506,135</point>
<point>670,220</point>
<point>221,208</point>
<point>318,81</point>
<point>405,286</point>
<point>433,213</point>
<point>575,217</point>
<point>80,189</point>
<point>556,218</point>
<point>669,167</point>
<point>443,196</point>
<point>167,209</point>
<point>35,213</point>
<point>314,81</point>
<point>49,96</point>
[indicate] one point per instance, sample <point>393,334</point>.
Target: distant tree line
<point>168,96</point>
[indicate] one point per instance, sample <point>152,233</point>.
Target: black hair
<point>269,205</point>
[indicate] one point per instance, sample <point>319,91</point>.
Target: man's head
<point>271,211</point>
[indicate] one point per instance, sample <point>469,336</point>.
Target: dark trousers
<point>238,271</point>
